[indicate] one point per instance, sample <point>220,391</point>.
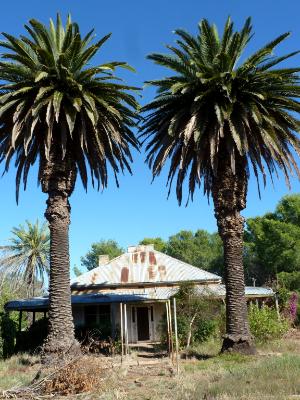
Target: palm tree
<point>216,119</point>
<point>71,117</point>
<point>26,258</point>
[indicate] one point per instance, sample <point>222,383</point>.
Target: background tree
<point>26,257</point>
<point>77,271</point>
<point>109,247</point>
<point>214,118</point>
<point>201,249</point>
<point>159,243</point>
<point>288,209</point>
<point>272,242</point>
<point>72,117</point>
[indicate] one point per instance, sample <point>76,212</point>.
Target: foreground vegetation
<point>272,374</point>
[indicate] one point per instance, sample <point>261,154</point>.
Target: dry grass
<point>80,376</point>
<point>18,371</point>
<point>273,374</point>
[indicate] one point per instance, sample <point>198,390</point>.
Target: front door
<point>142,323</point>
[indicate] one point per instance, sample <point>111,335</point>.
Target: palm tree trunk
<point>229,195</point>
<point>30,278</point>
<point>58,180</point>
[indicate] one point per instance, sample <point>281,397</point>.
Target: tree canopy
<point>108,247</point>
<point>272,242</point>
<point>201,249</point>
<point>159,243</point>
<point>50,91</point>
<point>26,257</point>
<point>211,105</point>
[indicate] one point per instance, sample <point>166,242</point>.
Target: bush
<point>204,330</point>
<point>297,322</point>
<point>8,331</point>
<point>283,297</point>
<point>33,337</point>
<point>289,280</point>
<point>197,316</point>
<point>264,323</point>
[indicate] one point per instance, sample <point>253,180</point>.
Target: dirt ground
<point>274,373</point>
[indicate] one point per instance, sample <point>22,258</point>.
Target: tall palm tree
<point>58,110</point>
<point>26,258</point>
<point>215,119</point>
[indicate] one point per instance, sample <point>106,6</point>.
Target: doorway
<point>143,323</point>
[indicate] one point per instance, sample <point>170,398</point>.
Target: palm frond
<point>215,105</point>
<point>51,97</point>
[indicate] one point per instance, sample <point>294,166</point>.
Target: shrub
<point>7,336</point>
<point>283,297</point>
<point>264,323</point>
<point>293,307</point>
<point>32,338</point>
<point>297,322</point>
<point>289,280</point>
<point>196,316</point>
<point>205,329</point>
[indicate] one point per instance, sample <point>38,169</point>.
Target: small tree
<point>195,315</point>
<point>25,259</point>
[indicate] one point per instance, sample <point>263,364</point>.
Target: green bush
<point>204,330</point>
<point>7,336</point>
<point>32,338</point>
<point>264,323</point>
<point>182,330</point>
<point>289,280</point>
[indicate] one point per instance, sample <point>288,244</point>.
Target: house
<point>137,284</point>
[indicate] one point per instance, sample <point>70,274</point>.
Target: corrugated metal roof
<point>132,295</point>
<point>143,264</point>
<point>220,291</point>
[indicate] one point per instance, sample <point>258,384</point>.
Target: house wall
<point>158,312</point>
<point>154,331</point>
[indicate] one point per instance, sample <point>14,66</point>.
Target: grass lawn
<point>272,374</point>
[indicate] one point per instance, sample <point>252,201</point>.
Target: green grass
<point>276,376</point>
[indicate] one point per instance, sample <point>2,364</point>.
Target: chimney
<point>140,247</point>
<point>103,259</point>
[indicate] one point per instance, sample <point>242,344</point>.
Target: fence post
<point>176,335</point>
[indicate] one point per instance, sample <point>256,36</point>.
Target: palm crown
<point>51,95</point>
<point>216,107</point>
<point>26,257</point>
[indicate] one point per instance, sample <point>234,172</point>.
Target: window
<point>91,315</point>
<point>133,314</point>
<point>95,315</point>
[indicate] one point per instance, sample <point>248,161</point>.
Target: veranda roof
<point>132,296</point>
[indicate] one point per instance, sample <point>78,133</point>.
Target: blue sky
<point>139,209</point>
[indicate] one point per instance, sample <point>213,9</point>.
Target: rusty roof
<point>140,265</point>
